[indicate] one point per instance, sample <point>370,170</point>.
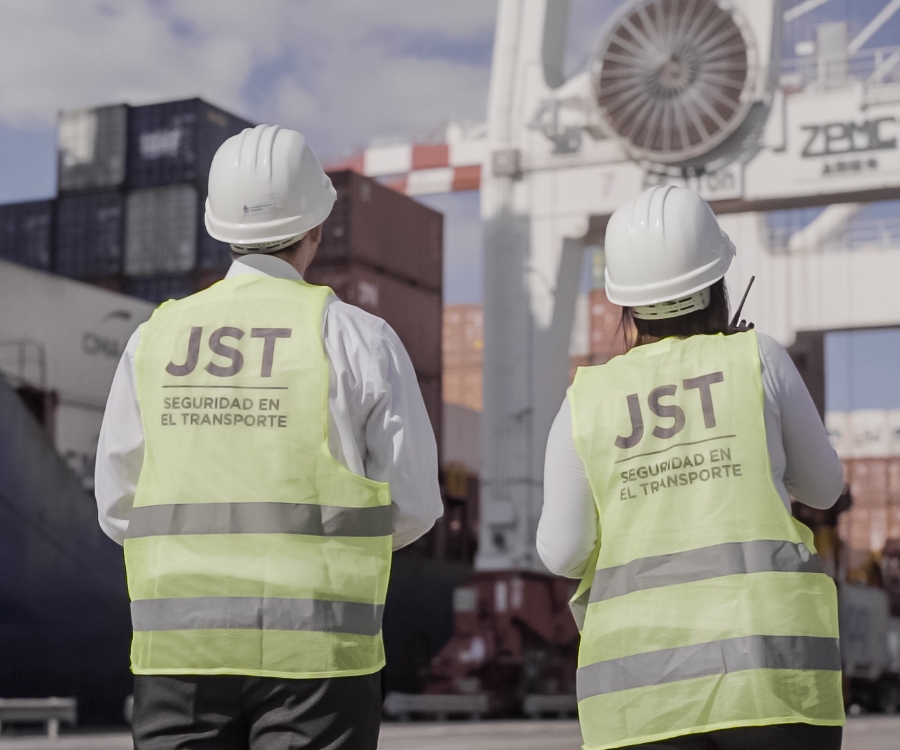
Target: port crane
<point>684,92</point>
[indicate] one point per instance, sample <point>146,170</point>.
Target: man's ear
<point>315,234</point>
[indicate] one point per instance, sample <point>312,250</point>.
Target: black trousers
<point>224,712</point>
<point>777,737</point>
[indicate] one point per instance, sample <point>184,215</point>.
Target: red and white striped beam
<point>422,169</point>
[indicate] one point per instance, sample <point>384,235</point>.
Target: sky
<point>347,73</point>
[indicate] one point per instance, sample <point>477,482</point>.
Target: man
<point>264,448</point>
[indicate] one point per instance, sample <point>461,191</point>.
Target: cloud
<point>342,70</point>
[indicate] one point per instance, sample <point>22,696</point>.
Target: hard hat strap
<point>673,308</point>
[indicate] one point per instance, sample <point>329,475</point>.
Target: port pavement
<point>862,733</point>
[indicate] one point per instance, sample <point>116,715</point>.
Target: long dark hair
<point>712,320</point>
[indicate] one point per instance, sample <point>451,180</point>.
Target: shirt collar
<point>263,265</point>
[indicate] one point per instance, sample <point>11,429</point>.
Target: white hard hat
<point>266,190</point>
<point>665,246</point>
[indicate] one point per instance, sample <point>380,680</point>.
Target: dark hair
<point>712,320</point>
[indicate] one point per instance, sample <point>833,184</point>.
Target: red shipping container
<point>434,405</point>
<point>464,386</point>
<point>865,529</point>
<point>387,231</point>
<point>606,334</point>
<point>843,527</point>
<point>869,481</point>
<point>463,338</point>
<point>894,479</point>
<point>893,530</point>
<point>413,312</point>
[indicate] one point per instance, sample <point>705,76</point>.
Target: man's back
<point>263,449</point>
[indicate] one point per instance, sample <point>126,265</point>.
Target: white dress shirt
<point>378,426</point>
<point>804,465</point>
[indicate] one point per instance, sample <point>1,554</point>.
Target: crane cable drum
<point>674,80</point>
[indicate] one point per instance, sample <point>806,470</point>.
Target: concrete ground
<point>862,733</point>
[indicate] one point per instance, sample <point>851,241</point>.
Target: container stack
<point>383,252</point>
<point>129,214</point>
<point>868,442</point>
<point>596,338</point>
<point>463,344</point>
<point>132,184</point>
<point>26,233</point>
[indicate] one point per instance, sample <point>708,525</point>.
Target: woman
<point>709,622</point>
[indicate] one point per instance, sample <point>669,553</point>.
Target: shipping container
<point>868,479</point>
<point>387,231</point>
<point>864,615</point>
<point>464,386</point>
<point>893,529</point>
<point>413,312</point>
<point>90,234</point>
<point>212,255</point>
<point>174,142</point>
<point>26,233</point>
<point>434,405</point>
<point>92,148</point>
<point>161,227</point>
<point>866,529</point>
<point>158,289</point>
<point>893,431</point>
<point>110,282</point>
<point>462,437</point>
<point>894,480</point>
<point>837,426</point>
<point>206,279</point>
<point>607,339</point>
<point>868,434</point>
<point>463,336</point>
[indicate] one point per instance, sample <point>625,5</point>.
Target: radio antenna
<point>737,315</point>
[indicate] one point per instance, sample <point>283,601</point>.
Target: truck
<point>870,649</point>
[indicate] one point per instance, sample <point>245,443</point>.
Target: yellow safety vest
<point>707,607</point>
<point>250,549</point>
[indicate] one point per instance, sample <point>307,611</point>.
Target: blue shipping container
<point>175,142</point>
<point>90,235</point>
<point>26,233</point>
<point>158,289</point>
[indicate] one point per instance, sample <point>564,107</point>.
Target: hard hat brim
<point>671,289</point>
<point>263,232</point>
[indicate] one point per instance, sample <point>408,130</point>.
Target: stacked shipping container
<point>463,344</point>
<point>868,442</point>
<point>26,233</point>
<point>384,253</point>
<point>129,218</point>
<point>463,350</point>
<point>132,182</point>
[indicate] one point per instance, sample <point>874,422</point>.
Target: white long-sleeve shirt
<point>378,426</point>
<point>804,465</point>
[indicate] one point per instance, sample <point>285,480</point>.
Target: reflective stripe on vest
<point>733,558</point>
<point>237,613</point>
<point>705,659</point>
<point>705,606</point>
<point>250,550</point>
<point>258,518</point>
